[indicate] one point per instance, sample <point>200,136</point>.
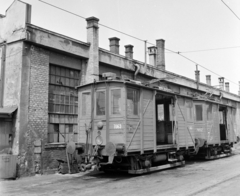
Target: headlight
<point>99,140</point>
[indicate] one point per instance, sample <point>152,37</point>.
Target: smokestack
<point>208,80</point>
<point>160,54</point>
<point>129,51</point>
<point>227,86</point>
<point>197,76</point>
<point>114,45</point>
<point>221,83</point>
<point>152,51</point>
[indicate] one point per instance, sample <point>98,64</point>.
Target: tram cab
<point>127,125</point>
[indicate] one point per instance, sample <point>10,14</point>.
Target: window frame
<point>111,102</point>
<point>58,91</point>
<point>195,111</point>
<point>209,105</point>
<point>189,106</point>
<point>63,102</point>
<point>81,105</point>
<point>138,104</point>
<point>64,135</point>
<point>95,102</point>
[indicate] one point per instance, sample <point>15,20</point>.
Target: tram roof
<point>159,89</point>
<point>139,85</point>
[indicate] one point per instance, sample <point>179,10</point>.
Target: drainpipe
<point>239,89</point>
<point>2,71</point>
<point>136,72</point>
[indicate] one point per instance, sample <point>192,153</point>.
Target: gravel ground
<point>215,177</point>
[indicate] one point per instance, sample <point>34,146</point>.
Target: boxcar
<point>128,126</point>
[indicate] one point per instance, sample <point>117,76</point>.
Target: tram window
<point>132,101</point>
<point>160,110</point>
<point>115,101</point>
<point>86,103</point>
<point>189,110</point>
<point>209,111</point>
<point>199,112</point>
<point>100,103</point>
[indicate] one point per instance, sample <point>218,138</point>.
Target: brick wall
<point>38,108</point>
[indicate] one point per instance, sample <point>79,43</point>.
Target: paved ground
<point>217,177</point>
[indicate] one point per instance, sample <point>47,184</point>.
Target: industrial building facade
<point>39,71</point>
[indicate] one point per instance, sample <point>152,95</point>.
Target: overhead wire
<point>179,53</point>
<point>230,9</point>
<point>85,19</point>
<point>204,50</point>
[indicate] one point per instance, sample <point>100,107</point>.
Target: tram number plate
<point>117,126</point>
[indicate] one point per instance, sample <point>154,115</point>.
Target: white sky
<point>186,25</point>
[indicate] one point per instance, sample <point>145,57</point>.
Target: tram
<point>128,125</point>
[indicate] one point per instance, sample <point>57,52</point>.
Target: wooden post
<point>107,112</point>
<point>154,122</point>
<point>141,119</point>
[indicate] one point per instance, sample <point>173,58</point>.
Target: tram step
<point>172,160</point>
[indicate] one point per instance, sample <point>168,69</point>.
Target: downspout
<point>136,72</point>
<point>2,72</point>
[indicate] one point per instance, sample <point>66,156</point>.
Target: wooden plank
<point>150,133</point>
<point>137,126</point>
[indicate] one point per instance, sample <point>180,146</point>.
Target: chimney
<point>114,45</point>
<point>129,51</point>
<point>160,54</point>
<point>152,51</point>
<point>221,83</point>
<point>227,86</point>
<point>91,70</point>
<point>197,76</point>
<point>208,80</point>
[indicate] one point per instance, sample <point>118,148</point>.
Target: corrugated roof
<point>8,110</point>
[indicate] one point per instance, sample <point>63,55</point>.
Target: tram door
<point>164,120</point>
<point>223,122</point>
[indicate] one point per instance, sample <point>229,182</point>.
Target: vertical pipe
<point>2,71</point>
<point>239,88</point>
<point>145,56</point>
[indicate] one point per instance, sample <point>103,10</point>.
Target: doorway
<point>223,122</point>
<point>164,120</point>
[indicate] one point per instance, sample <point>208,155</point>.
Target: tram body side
<point>133,128</point>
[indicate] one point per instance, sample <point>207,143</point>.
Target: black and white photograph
<point>119,97</point>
